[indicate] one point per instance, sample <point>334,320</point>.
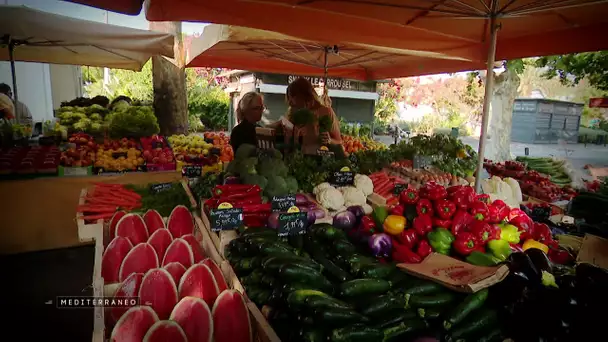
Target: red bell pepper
<point>515,248</point>
<point>454,188</point>
<point>524,224</point>
<point>560,256</point>
<point>424,206</point>
<point>542,232</point>
<point>463,197</point>
<point>437,222</point>
<point>503,210</point>
<point>479,210</point>
<point>493,214</point>
<point>484,198</point>
<point>256,219</point>
<point>408,238</point>
<point>423,224</point>
<point>484,232</point>
<point>409,196</point>
<point>433,191</point>
<point>424,249</point>
<point>465,243</point>
<point>515,212</point>
<point>367,225</point>
<point>445,209</point>
<point>401,253</point>
<point>397,210</point>
<point>256,208</point>
<point>461,222</point>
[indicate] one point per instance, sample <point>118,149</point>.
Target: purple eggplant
<point>380,244</point>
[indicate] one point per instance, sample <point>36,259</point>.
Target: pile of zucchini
<point>320,287</point>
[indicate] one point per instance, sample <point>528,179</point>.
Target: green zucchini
<point>469,304</point>
<point>268,280</point>
<point>382,304</point>
<point>274,265</point>
<point>395,317</point>
<point>398,278</point>
<point>296,241</point>
<point>494,335</point>
<point>258,231</point>
<point>329,268</point>
<point>356,333</point>
<point>336,317</point>
<point>359,258</point>
<point>343,247</point>
<point>261,297</point>
<point>288,288</point>
<point>245,265</point>
<point>423,287</point>
<point>479,321</point>
<point>298,298</point>
<point>315,302</point>
<point>397,331</point>
<point>293,273</point>
<point>364,287</point>
<point>284,258</point>
<point>430,313</point>
<point>256,276</point>
<point>328,232</point>
<point>313,335</point>
<point>377,271</point>
<point>429,301</point>
<point>271,248</point>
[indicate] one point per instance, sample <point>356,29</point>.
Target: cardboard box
<point>455,274</point>
<point>594,250</point>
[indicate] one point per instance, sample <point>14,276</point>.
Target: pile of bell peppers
<point>244,196</point>
<point>455,221</point>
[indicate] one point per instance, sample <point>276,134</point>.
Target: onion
<point>319,213</point>
<point>273,220</point>
<point>310,215</point>
<point>301,199</point>
<point>358,211</point>
<point>345,220</point>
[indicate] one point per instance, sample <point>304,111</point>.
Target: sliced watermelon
<point>179,251</point>
<point>113,222</point>
<point>153,221</point>
<point>176,270</point>
<point>113,257</point>
<point>198,281</point>
<point>140,259</point>
<point>132,227</point>
<point>217,274</point>
<point>128,288</point>
<point>158,291</point>
<point>160,240</point>
<point>231,321</point>
<point>165,331</point>
<point>197,250</point>
<point>134,324</point>
<point>180,222</point>
<point>194,316</point>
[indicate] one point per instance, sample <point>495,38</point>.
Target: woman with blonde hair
<point>248,112</point>
<point>302,95</point>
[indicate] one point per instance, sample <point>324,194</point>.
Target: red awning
<point>130,7</point>
<point>598,102</point>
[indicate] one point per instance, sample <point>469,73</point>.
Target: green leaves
<point>571,69</point>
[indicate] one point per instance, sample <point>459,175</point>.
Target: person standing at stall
<point>248,113</point>
<point>7,109</point>
<point>23,116</point>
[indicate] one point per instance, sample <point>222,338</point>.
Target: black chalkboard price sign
<point>343,178</point>
<point>282,203</point>
<point>292,223</point>
<point>398,189</point>
<point>160,187</point>
<point>225,219</point>
<point>192,171</point>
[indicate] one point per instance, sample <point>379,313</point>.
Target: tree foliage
<point>573,68</point>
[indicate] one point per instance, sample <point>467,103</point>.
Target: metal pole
<point>11,48</point>
<point>486,101</point>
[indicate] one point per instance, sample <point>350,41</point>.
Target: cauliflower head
<point>353,196</point>
<point>330,198</point>
<point>365,184</point>
<point>320,187</point>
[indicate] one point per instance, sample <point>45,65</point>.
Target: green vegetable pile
<point>202,186</point>
<point>132,122</point>
<point>319,287</point>
<point>163,201</point>
<point>302,117</point>
<point>312,170</point>
<point>82,119</point>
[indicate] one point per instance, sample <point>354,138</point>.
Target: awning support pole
<point>486,100</point>
<point>11,49</point>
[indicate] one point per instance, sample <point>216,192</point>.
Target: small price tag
<point>398,189</point>
<point>568,219</point>
<point>282,203</point>
<point>324,151</point>
<point>292,223</point>
<point>117,155</point>
<point>157,144</point>
<point>421,162</point>
<point>225,217</point>
<point>192,171</point>
<point>160,187</point>
<point>344,177</point>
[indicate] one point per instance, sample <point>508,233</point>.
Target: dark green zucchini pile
<point>319,287</point>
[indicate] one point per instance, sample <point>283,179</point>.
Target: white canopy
<point>49,38</point>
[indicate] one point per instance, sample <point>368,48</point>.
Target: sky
<point>93,14</point>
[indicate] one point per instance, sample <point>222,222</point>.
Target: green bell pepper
<point>441,240</point>
<point>482,259</point>
<point>509,233</point>
<point>379,215</point>
<point>499,249</point>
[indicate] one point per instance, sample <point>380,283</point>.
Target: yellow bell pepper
<point>535,244</point>
<point>394,224</point>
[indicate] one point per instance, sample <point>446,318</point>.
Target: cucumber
<point>343,247</point>
<point>469,304</point>
<point>397,331</point>
<point>256,276</point>
<point>494,335</point>
<point>423,287</point>
<point>268,280</point>
<point>396,317</point>
<point>335,317</point>
<point>382,304</point>
<point>298,298</point>
<point>246,265</point>
<point>315,302</point>
<point>274,265</point>
<point>328,232</point>
<point>364,287</point>
<point>430,313</point>
<point>377,271</point>
<point>398,278</point>
<point>293,273</point>
<point>430,301</point>
<point>271,248</point>
<point>237,248</point>
<point>479,321</point>
<point>354,258</point>
<point>329,268</point>
<point>261,231</point>
<point>356,333</point>
<point>261,297</point>
<point>296,241</point>
<point>288,288</point>
<point>312,335</point>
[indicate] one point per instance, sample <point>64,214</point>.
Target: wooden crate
<point>87,232</point>
<point>98,290</point>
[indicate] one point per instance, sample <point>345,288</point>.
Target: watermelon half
<point>198,281</point>
<point>160,240</point>
<point>158,291</point>
<point>180,221</point>
<point>153,221</point>
<point>197,250</point>
<point>231,318</point>
<point>176,270</point>
<point>113,257</point>
<point>128,288</point>
<point>133,227</point>
<point>134,324</point>
<point>113,222</point>
<point>140,259</point>
<point>217,274</point>
<point>179,251</point>
<point>194,316</point>
<point>165,331</point>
